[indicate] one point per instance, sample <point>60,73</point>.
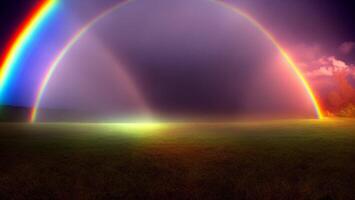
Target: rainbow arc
<point>8,66</point>
<point>288,59</point>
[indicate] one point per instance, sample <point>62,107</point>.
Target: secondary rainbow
<point>52,68</point>
<point>288,59</point>
<point>21,41</point>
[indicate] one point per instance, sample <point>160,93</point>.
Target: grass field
<point>300,159</point>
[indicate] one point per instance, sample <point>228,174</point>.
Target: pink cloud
<point>329,75</point>
<point>346,47</point>
<point>322,71</point>
<point>328,66</point>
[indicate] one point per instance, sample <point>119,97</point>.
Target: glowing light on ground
<point>131,129</point>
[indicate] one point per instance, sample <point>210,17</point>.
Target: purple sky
<point>187,58</point>
<point>193,58</point>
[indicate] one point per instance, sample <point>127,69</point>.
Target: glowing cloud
<point>290,62</point>
<point>21,41</point>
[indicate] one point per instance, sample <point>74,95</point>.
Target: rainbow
<point>288,59</point>
<point>52,68</point>
<point>8,66</point>
<point>21,41</point>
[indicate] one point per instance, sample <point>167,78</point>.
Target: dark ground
<point>303,159</point>
<point>14,114</point>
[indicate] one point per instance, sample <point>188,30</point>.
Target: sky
<point>318,34</point>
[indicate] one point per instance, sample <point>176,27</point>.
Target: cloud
<point>329,66</point>
<point>322,71</point>
<point>346,47</point>
<point>331,77</point>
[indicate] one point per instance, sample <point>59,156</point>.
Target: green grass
<point>295,159</point>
